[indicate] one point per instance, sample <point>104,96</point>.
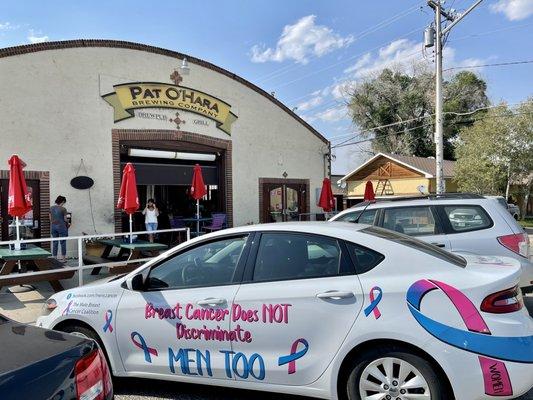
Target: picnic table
<point>195,220</point>
<point>40,259</point>
<point>134,249</point>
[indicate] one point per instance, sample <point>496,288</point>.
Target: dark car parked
<point>38,363</point>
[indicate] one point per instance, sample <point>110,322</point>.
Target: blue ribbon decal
<point>373,307</point>
<point>477,339</point>
<point>295,355</point>
<point>108,319</point>
<point>141,344</point>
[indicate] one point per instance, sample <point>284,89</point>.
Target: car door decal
<point>141,344</point>
<point>477,339</point>
<point>374,301</point>
<point>108,318</point>
<point>295,355</point>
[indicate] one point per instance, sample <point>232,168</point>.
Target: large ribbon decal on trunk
<point>476,339</point>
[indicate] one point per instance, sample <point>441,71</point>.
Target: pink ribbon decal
<point>374,301</point>
<point>108,318</point>
<point>496,377</point>
<point>67,308</point>
<point>141,344</point>
<point>478,338</point>
<point>295,355</point>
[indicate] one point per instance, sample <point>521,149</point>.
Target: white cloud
<point>397,53</point>
<point>514,10</point>
<point>301,41</point>
<point>33,37</point>
<point>312,103</point>
<point>8,26</point>
<point>333,114</point>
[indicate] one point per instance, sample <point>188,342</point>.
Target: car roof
<point>337,229</point>
<point>388,203</point>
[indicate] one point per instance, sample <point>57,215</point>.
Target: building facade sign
<point>128,97</point>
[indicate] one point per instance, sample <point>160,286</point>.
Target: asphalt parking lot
<point>140,389</point>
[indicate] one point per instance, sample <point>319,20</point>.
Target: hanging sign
<point>128,97</point>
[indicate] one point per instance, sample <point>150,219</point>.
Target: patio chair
<point>175,237</point>
<point>218,223</point>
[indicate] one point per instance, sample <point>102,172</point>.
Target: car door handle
<point>335,295</point>
<point>438,244</point>
<point>211,301</point>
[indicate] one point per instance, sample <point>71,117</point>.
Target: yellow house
<point>394,175</point>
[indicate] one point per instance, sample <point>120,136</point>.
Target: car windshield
<point>415,244</point>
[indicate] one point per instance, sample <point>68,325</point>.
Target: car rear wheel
<point>393,375</point>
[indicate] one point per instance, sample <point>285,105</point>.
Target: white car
<point>459,222</point>
<point>329,310</point>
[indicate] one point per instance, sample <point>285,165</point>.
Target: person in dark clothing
<point>59,226</point>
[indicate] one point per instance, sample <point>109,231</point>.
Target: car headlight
<point>49,306</point>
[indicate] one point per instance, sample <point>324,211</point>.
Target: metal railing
<point>323,216</point>
<point>80,239</point>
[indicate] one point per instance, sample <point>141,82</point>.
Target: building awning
<point>172,174</point>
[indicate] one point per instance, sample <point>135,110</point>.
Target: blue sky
<point>309,53</point>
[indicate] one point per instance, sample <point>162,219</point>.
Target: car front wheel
<point>393,375</point>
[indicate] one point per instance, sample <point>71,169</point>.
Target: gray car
<point>461,223</point>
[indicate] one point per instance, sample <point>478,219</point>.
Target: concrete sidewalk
<point>23,304</point>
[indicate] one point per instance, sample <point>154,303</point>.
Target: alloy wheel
<point>392,379</point>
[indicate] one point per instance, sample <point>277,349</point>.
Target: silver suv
<point>462,223</point>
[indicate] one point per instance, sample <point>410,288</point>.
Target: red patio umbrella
<point>369,192</point>
<point>19,199</point>
<point>128,199</point>
<point>326,201</point>
<point>197,192</point>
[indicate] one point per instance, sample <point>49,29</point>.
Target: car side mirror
<point>135,283</point>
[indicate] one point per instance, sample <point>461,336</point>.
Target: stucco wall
<point>52,115</point>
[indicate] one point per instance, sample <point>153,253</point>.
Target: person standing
<point>59,224</point>
<point>150,213</point>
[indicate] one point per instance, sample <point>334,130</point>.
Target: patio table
<point>135,250</point>
<point>40,259</point>
<point>194,220</point>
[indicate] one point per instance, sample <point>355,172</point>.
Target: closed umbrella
<point>128,199</point>
<point>19,199</point>
<point>326,201</point>
<point>369,192</point>
<point>197,192</point>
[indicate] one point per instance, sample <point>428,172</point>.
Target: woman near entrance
<point>60,225</point>
<point>150,213</point>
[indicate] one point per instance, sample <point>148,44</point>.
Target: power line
<point>345,60</point>
<point>362,34</point>
<point>475,35</point>
<point>423,117</point>
<point>491,65</point>
<point>424,125</point>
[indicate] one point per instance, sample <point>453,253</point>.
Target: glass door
<point>283,202</point>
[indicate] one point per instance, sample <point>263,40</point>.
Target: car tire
<point>89,334</point>
<point>359,376</point>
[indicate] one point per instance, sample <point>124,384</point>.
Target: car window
<point>413,221</point>
<point>365,258</point>
<point>210,264</point>
<point>367,217</point>
<point>284,256</point>
<point>415,244</point>
<point>464,218</point>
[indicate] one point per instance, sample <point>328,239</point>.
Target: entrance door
<point>283,201</point>
<point>30,223</point>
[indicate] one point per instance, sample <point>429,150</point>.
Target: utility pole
<point>437,40</point>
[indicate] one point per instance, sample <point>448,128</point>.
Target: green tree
<point>496,150</point>
<point>393,97</point>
